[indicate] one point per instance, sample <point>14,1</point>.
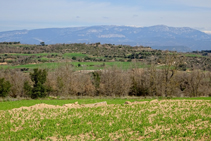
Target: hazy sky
<point>32,14</point>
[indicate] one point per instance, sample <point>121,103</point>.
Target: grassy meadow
<point>145,119</point>
<point>10,104</point>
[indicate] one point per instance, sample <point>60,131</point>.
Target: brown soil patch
<point>154,101</point>
<point>74,105</point>
<point>165,106</point>
<point>33,63</point>
<point>4,63</point>
<point>127,102</point>
<point>136,102</point>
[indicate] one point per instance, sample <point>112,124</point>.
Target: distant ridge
<point>158,36</point>
<point>173,48</point>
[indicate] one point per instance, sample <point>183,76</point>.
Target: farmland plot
<point>162,120</point>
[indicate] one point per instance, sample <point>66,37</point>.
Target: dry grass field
<point>143,120</point>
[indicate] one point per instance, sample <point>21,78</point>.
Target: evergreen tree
<point>38,89</point>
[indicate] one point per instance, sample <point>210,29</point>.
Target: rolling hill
<point>155,36</point>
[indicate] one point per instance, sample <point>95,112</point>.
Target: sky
<point>34,14</point>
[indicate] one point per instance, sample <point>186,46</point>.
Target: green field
<point>8,105</point>
<point>70,55</point>
<point>84,65</point>
<point>17,104</point>
<point>154,120</point>
<point>194,55</point>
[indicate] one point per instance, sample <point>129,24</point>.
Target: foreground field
<point>143,120</point>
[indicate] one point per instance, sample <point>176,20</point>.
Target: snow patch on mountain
<point>111,36</point>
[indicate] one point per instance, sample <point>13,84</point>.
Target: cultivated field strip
<point>162,120</point>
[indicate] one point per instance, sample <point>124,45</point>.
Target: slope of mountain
<point>159,35</point>
<point>173,48</point>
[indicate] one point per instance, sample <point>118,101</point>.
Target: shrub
<point>74,58</point>
<point>4,87</point>
<point>182,67</point>
<point>87,58</point>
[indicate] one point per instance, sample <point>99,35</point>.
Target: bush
<point>182,67</point>
<point>38,89</point>
<point>87,58</point>
<point>74,58</point>
<point>4,87</point>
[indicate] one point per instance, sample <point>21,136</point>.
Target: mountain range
<point>159,36</point>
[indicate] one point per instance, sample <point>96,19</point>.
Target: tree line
<point>167,81</point>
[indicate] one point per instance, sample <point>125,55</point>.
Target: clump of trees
<point>9,43</point>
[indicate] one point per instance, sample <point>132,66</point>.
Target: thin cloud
<point>62,13</point>
<point>135,16</point>
<point>105,17</point>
